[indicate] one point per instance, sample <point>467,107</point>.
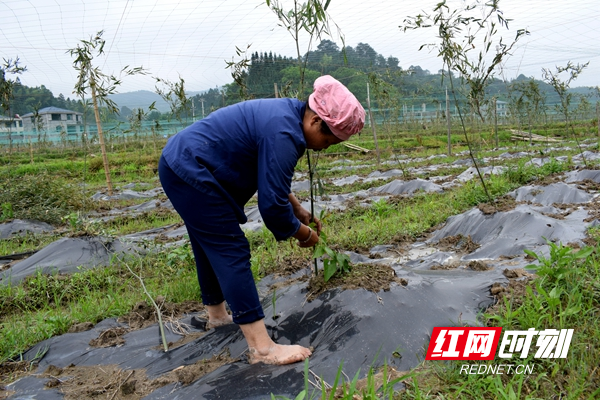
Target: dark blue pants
<point>220,247</point>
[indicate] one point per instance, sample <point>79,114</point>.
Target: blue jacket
<point>242,148</point>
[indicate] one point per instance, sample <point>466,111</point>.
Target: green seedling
<point>334,261</point>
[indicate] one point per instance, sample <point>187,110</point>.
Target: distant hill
<point>143,99</point>
<point>592,92</point>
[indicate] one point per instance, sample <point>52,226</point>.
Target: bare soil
<point>82,327</point>
<point>479,266</point>
<point>111,382</point>
<point>593,209</point>
<point>501,204</point>
<point>110,337</point>
<point>372,277</point>
<point>550,179</point>
<point>292,264</point>
<point>516,290</point>
<point>10,371</point>
<point>143,314</point>
<point>445,267</point>
<point>459,243</point>
<point>588,185</point>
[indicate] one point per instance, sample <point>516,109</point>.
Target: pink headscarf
<point>339,108</point>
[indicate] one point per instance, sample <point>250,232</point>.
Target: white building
<point>12,125</point>
<point>54,120</point>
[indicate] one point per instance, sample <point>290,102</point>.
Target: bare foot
<point>216,322</point>
<point>278,354</point>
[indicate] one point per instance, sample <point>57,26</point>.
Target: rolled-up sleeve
<point>277,158</point>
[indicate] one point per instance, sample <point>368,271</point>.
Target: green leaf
<point>583,253</point>
<point>532,266</point>
<point>531,254</point>
<point>301,395</point>
<point>329,269</point>
<point>329,252</point>
<point>570,311</point>
<point>319,251</point>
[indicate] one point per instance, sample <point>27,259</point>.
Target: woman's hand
<point>304,216</point>
<point>306,236</point>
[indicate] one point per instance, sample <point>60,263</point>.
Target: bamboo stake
<point>312,199</point>
<point>373,125</point>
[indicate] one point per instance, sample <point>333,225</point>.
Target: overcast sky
<point>192,39</point>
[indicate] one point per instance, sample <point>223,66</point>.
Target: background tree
<point>530,101</point>
<point>561,87</point>
<point>239,72</point>
<point>462,32</point>
<point>100,86</point>
<point>7,91</point>
<point>38,124</point>
<point>175,96</point>
<point>310,17</point>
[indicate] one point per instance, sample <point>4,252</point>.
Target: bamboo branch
<point>158,313</point>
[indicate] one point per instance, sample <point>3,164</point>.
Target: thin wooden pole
<point>448,123</point>
<point>101,138</point>
<point>373,126</point>
<point>496,123</point>
<point>312,199</point>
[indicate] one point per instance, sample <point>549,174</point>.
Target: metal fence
<point>89,133</point>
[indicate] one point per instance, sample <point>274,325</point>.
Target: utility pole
<point>202,102</point>
<point>448,122</point>
<point>193,110</point>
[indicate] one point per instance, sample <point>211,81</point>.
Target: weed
<point>7,211</point>
<point>557,267</point>
<point>180,255</point>
<point>74,221</point>
<point>42,197</point>
<point>87,295</point>
<point>379,384</point>
<point>378,213</point>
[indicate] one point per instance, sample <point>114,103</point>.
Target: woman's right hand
<point>307,237</point>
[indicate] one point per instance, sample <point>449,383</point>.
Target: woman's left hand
<point>304,216</point>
